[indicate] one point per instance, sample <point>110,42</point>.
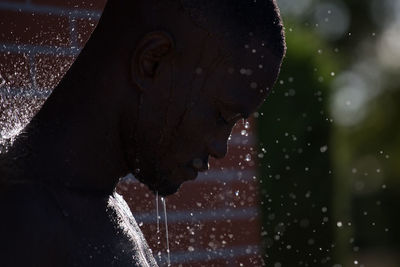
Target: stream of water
<point>166,231</point>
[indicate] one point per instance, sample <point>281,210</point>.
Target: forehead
<point>248,73</point>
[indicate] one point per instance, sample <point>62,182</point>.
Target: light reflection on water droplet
<point>247,125</point>
<point>323,149</point>
<point>237,193</point>
<point>248,157</point>
<point>2,81</point>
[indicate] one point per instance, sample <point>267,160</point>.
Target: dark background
<point>330,129</point>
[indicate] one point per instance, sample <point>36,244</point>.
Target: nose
<point>218,149</point>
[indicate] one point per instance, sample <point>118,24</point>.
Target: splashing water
<point>166,231</point>
<point>17,107</point>
<point>158,215</point>
<point>128,224</point>
<point>2,81</point>
<point>158,225</point>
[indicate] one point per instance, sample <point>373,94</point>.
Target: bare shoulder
<point>32,227</point>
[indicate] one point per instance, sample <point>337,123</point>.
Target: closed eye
<point>221,119</point>
<point>228,120</point>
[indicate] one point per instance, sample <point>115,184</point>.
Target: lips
<point>200,164</point>
<point>183,174</point>
<point>191,173</point>
<point>168,183</point>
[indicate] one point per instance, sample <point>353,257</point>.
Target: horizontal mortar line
<point>34,93</point>
<point>226,175</point>
<point>238,139</point>
<point>205,255</point>
<point>49,10</point>
<point>198,216</point>
<point>211,176</point>
<point>39,49</point>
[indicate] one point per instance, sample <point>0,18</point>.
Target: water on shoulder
<point>127,223</point>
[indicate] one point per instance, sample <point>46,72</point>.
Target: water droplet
<point>339,224</point>
<point>158,215</point>
<point>248,157</point>
<point>199,71</point>
<point>2,81</point>
<point>323,149</point>
<point>237,193</point>
<point>247,125</point>
<point>243,132</point>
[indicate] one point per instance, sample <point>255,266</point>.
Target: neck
<point>75,140</point>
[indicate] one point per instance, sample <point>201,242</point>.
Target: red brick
<point>24,28</point>
<point>77,4</point>
<point>211,263</point>
<point>84,28</point>
<point>214,235</point>
<point>195,196</point>
<point>50,70</point>
<point>251,260</point>
<point>15,70</point>
<point>236,158</point>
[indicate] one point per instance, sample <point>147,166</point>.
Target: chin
<point>167,183</point>
<point>162,186</point>
<point>166,188</point>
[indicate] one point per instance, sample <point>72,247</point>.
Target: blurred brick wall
<point>213,221</point>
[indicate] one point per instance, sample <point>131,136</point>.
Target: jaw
<point>167,188</point>
<point>159,184</point>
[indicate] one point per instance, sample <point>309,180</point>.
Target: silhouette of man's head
<point>196,68</point>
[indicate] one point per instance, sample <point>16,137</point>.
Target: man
<point>156,91</point>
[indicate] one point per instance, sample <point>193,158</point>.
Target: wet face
<point>199,92</point>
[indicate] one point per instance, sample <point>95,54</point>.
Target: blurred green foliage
<point>330,143</point>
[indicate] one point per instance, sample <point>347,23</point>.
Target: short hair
<point>232,20</point>
<point>239,18</point>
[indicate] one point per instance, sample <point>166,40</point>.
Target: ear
<point>150,51</point>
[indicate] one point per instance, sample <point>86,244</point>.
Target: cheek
<point>192,135</point>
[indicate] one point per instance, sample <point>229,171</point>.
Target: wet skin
<point>159,105</point>
<point>199,110</point>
